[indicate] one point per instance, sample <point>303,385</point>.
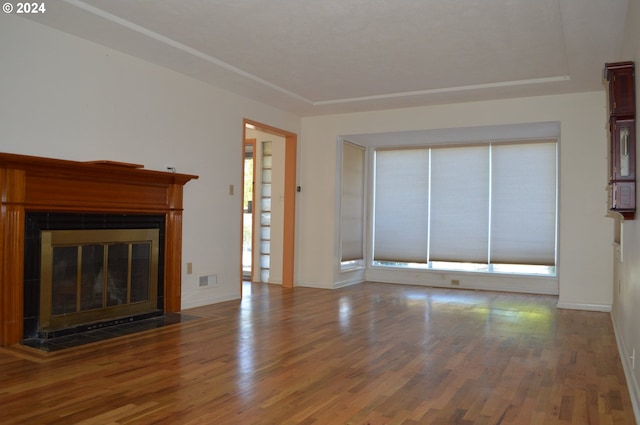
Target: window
<point>483,207</point>
<point>401,207</point>
<point>352,205</point>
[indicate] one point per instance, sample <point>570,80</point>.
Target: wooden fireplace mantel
<point>29,183</point>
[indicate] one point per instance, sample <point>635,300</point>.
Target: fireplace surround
<point>65,298</point>
<point>30,184</point>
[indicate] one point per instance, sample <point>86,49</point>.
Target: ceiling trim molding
<point>559,78</point>
<point>571,68</point>
<point>183,47</point>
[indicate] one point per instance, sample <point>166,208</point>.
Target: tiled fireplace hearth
<point>44,199</point>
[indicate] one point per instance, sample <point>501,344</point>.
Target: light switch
<point>231,189</point>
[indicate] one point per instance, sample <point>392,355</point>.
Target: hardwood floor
<point>367,354</point>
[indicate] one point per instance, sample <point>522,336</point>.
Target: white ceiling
<point>327,56</point>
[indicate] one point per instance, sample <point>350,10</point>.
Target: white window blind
<point>459,204</point>
<point>483,204</point>
<point>352,203</point>
<point>401,205</point>
<point>523,204</point>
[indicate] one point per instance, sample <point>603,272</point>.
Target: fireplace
<point>84,271</point>
<point>44,199</point>
<point>93,275</point>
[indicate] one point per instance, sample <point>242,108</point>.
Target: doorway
<point>265,203</point>
<point>248,201</point>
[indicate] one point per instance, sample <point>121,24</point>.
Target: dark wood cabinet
<point>621,89</point>
<point>622,138</point>
<point>623,198</point>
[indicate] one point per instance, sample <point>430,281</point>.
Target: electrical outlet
<point>455,282</point>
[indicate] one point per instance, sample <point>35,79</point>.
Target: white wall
<point>585,233</point>
<point>626,311</point>
<point>64,97</point>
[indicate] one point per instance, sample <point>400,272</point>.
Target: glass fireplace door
<point>95,275</point>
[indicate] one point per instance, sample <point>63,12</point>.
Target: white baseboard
<point>315,285</point>
<point>334,285</point>
<point>606,308</point>
<point>347,282</point>
<point>476,281</point>
<point>632,383</point>
<point>186,303</point>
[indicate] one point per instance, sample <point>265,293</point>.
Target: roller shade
<point>401,205</point>
<point>352,203</point>
<point>523,204</point>
<point>493,203</point>
<point>459,204</point>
